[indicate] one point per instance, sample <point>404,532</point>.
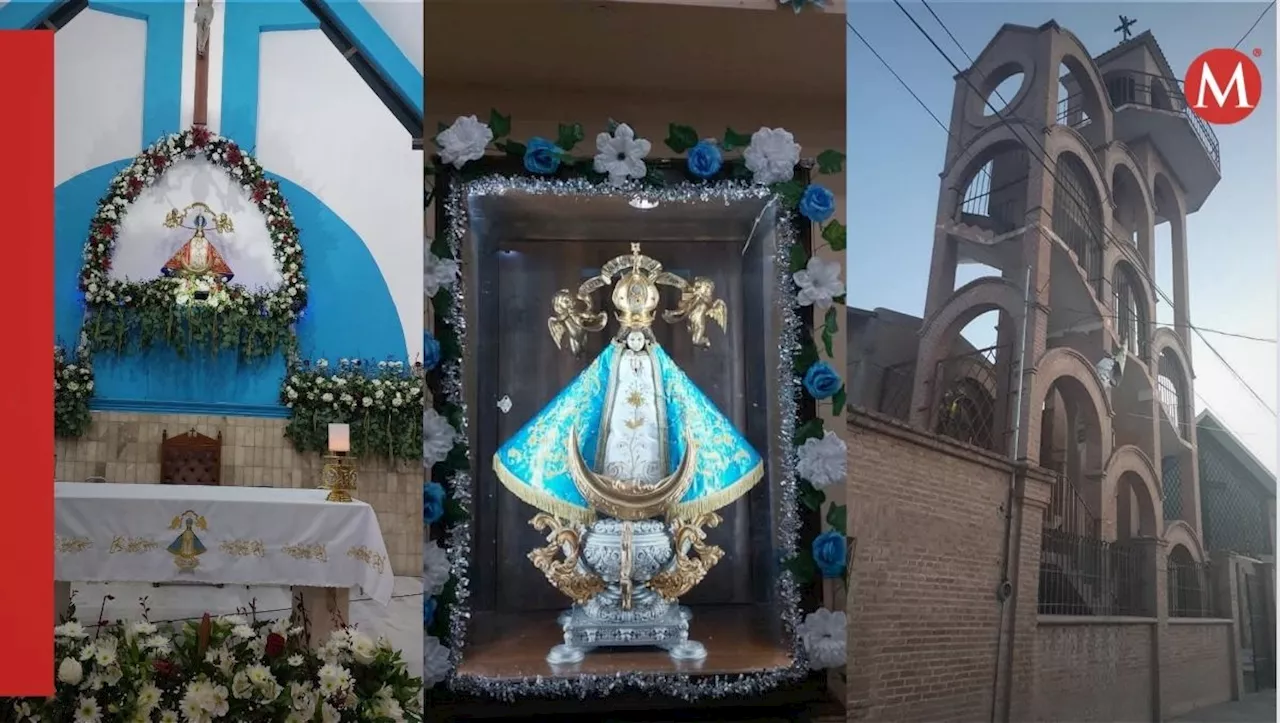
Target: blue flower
<point>430,351</point>
<point>705,159</point>
<point>432,502</point>
<point>542,156</point>
<point>428,611</point>
<point>817,204</point>
<point>821,381</point>
<point>830,553</point>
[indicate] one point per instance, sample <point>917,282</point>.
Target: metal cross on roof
<point>1125,24</point>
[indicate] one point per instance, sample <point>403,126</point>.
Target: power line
<point>1262,15</point>
<point>1042,159</point>
<point>897,77</point>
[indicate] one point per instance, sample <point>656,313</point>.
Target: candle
<point>339,438</point>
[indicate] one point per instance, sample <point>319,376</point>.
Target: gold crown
<point>636,296</point>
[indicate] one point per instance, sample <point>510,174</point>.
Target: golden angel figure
<point>572,318</point>
<point>698,304</point>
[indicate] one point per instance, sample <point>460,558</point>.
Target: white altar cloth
<point>233,535</point>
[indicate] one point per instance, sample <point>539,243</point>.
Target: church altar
<point>154,533</point>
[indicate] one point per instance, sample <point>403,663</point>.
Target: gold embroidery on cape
<point>369,557</point>
<point>686,572</point>
<point>71,545</point>
<point>243,548</point>
<point>563,538</point>
<point>307,552</point>
<point>132,545</point>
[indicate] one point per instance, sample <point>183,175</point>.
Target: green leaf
<point>838,299</point>
<point>512,148</point>
<point>802,567</point>
<point>829,329</point>
<point>680,138</point>
<point>834,234</point>
<point>811,497</point>
<point>569,135</point>
<point>811,429</point>
<point>499,124</point>
<point>806,357</point>
<point>734,140</point>
<point>799,258</point>
<point>830,162</point>
<point>654,177</point>
<point>612,126</point>
<point>790,191</point>
<point>837,519</point>
<point>839,399</point>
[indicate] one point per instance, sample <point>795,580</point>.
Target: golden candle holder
<point>339,477</point>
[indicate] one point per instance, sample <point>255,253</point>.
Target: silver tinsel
<point>686,686</point>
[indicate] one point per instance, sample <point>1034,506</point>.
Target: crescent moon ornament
<point>627,500</point>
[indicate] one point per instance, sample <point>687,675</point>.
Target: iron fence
<point>1081,574</point>
<point>970,389</point>
<point>1189,587</point>
<point>897,382</point>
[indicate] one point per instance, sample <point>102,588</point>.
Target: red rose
<point>164,667</point>
<point>199,136</point>
<point>106,230</point>
<point>158,160</point>
<point>234,156</point>
<point>275,645</point>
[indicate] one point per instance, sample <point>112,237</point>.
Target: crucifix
<point>1125,24</point>
<point>204,20</point>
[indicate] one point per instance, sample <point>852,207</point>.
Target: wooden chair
<point>190,459</point>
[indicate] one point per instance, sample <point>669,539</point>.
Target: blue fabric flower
<point>432,502</point>
<point>430,351</point>
<point>830,554</point>
<point>541,156</point>
<point>705,159</point>
<point>817,204</point>
<point>821,381</point>
<point>428,611</point>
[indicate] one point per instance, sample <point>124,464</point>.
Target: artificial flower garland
<point>768,157</point>
<point>121,314</point>
<point>72,389</point>
<point>229,668</point>
<point>382,401</point>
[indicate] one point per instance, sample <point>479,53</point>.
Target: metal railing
<point>1170,401</point>
<point>967,405</point>
<point>1127,87</point>
<point>1189,586</point>
<point>897,383</point>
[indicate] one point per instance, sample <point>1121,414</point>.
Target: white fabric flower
<point>437,273</point>
<point>464,141</point>
<point>772,156</point>
<point>819,282</point>
<point>823,461</point>
<point>438,437</point>
<point>825,637</point>
<point>435,662</point>
<point>621,155</point>
<point>70,671</point>
<point>435,568</point>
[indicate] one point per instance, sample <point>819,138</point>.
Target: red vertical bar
<point>26,363</point>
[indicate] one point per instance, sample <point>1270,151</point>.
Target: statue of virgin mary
<point>631,437</point>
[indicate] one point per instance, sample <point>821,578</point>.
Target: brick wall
<point>929,523</point>
<point>125,447</point>
<point>1093,671</point>
<point>1196,666</point>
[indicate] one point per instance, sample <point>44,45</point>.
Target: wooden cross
<point>204,21</point>
<point>1125,24</point>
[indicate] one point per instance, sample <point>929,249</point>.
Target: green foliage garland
<point>382,401</point>
<point>72,389</point>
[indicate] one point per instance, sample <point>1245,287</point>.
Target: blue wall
<point>350,311</point>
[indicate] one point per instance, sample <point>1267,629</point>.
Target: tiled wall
<point>125,447</point>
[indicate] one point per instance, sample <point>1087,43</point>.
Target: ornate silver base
<point>651,623</point>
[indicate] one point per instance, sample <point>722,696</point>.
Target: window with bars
<point>1077,215</point>
<point>1233,509</point>
<point>1131,318</point>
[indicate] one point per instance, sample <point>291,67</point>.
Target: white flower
<point>363,649</point>
<point>303,696</point>
<point>244,632</point>
<point>437,273</point>
<point>240,686</point>
<point>294,661</point>
<point>825,637</point>
<point>438,437</point>
<point>87,711</point>
<point>334,679</point>
<point>142,629</point>
<point>148,697</point>
<point>329,714</point>
<point>819,282</point>
<point>71,630</point>
<point>435,662</point>
<point>70,671</point>
<point>168,716</point>
<point>435,568</point>
<point>464,141</point>
<point>621,155</point>
<point>772,156</point>
<point>823,461</point>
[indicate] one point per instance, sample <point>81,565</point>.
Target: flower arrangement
<point>122,314</point>
<point>382,401</point>
<point>227,669</point>
<point>768,158</point>
<point>72,389</point>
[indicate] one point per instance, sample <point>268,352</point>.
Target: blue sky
<point>896,151</point>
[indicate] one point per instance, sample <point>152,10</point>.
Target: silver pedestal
<point>602,622</point>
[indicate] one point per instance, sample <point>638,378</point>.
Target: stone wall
<point>1093,669</point>
<point>1197,664</point>
<point>125,447</point>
